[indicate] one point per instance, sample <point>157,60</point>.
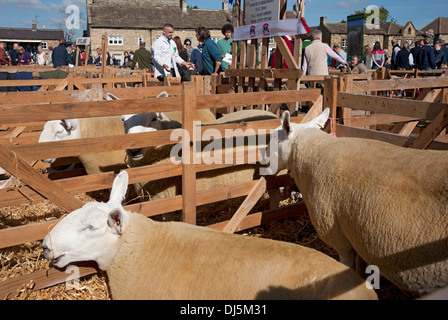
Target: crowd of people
<point>426,55</point>
<point>167,55</point>
<point>170,55</point>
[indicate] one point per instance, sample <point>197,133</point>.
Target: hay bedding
<point>28,258</point>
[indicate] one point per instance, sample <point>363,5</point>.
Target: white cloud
<point>65,3</point>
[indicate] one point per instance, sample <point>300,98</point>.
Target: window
<point>215,39</point>
<point>271,40</point>
<point>344,43</point>
<point>115,40</point>
<point>44,45</point>
<point>119,58</point>
<point>409,31</point>
<point>140,39</point>
<point>375,40</point>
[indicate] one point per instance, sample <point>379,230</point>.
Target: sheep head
<point>90,233</point>
<point>59,130</point>
<point>278,152</point>
<point>138,123</point>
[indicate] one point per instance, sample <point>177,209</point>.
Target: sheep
<point>159,120</point>
<point>170,187</point>
<point>146,259</point>
<point>385,203</point>
<point>59,130</point>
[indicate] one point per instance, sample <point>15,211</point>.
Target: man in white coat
<point>165,55</point>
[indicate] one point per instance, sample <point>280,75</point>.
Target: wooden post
<point>104,55</point>
<point>76,60</point>
<point>247,205</point>
<point>189,95</point>
<point>330,101</point>
<point>42,185</point>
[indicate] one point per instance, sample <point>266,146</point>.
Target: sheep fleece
<point>104,161</point>
<point>387,202</point>
<point>174,260</point>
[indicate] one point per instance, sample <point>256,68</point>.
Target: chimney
<point>323,21</point>
<point>225,5</point>
<point>183,6</point>
<point>34,26</point>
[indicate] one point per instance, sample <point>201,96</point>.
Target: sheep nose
<point>133,153</point>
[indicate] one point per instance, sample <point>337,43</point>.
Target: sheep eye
<point>90,227</point>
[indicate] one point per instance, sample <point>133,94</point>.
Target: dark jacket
<point>402,60</point>
<point>394,56</point>
<point>60,56</point>
<point>14,57</point>
<point>442,56</point>
<point>427,59</point>
<point>144,59</point>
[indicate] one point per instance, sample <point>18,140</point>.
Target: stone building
<point>336,33</point>
<point>440,28</point>
<point>127,22</point>
<point>30,38</point>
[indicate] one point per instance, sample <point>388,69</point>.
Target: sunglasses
<point>188,44</point>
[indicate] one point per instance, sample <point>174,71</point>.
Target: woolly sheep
<point>134,123</point>
<point>385,203</point>
<point>223,177</point>
<point>59,130</point>
<point>145,259</point>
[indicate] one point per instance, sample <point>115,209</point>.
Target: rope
<point>331,124</point>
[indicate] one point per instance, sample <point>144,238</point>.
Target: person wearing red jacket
<point>2,54</point>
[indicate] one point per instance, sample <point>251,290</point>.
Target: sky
<point>20,13</point>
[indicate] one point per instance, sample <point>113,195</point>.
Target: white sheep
<point>145,259</point>
<point>60,130</point>
<point>385,203</point>
<point>217,178</point>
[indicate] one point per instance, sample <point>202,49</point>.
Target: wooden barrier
<point>390,119</point>
<point>356,111</point>
<point>34,186</point>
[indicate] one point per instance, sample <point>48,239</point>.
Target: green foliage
<point>384,14</point>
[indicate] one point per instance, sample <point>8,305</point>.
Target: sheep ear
<point>162,94</point>
<point>119,188</point>
<point>286,123</point>
<point>115,221</point>
<point>110,96</point>
<point>319,121</point>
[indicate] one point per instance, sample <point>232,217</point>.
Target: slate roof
<point>28,34</point>
<point>386,28</point>
<point>134,17</point>
<point>439,25</point>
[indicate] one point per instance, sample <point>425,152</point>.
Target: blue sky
<point>19,13</point>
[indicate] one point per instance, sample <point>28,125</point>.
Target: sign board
<point>275,28</point>
<point>83,41</point>
<point>355,36</point>
<point>259,11</point>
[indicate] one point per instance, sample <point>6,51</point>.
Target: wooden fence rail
<point>35,186</point>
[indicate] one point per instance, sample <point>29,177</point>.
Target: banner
<point>355,36</point>
<point>287,27</point>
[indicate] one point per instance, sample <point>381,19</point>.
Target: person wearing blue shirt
<point>60,56</point>
<point>211,56</point>
<point>427,56</point>
<point>341,53</point>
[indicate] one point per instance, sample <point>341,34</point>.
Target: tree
<point>384,14</point>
